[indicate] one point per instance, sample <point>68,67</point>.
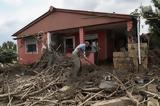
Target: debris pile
<point>154,56</point>
<point>51,83</point>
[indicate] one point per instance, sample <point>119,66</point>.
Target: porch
<point>107,38</point>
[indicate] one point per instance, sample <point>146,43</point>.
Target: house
<point>64,29</point>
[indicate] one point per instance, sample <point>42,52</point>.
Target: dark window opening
<point>31,48</point>
<point>69,43</point>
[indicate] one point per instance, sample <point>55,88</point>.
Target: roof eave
<point>52,9</point>
<point>31,23</point>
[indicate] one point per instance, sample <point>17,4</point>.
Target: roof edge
<point>92,12</point>
<point>52,9</point>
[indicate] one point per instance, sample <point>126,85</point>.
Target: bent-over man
<point>79,51</point>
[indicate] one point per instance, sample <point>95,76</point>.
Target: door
<point>110,46</point>
<point>69,44</point>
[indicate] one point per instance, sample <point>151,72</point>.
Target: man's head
<point>87,43</point>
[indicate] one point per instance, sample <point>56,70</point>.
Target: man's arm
<point>84,56</point>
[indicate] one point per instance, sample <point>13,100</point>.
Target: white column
<point>48,40</point>
<point>139,43</point>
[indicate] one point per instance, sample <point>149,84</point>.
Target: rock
<point>108,85</point>
<point>139,80</point>
<point>108,78</point>
<point>142,80</point>
<point>146,79</point>
<point>1,65</point>
<point>65,88</point>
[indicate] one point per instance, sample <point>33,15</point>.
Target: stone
<point>65,88</point>
<point>108,85</point>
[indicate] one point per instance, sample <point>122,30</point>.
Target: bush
<point>8,52</point>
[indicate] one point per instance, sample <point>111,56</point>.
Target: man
<point>79,51</point>
<point>95,50</point>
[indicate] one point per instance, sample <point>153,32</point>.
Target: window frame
<point>27,43</point>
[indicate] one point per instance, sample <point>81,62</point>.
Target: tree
<point>8,52</point>
<point>152,17</point>
<point>9,45</point>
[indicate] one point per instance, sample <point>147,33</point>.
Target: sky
<point>15,14</point>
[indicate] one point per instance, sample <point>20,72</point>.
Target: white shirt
<point>80,46</point>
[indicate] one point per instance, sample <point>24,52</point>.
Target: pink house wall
<point>77,39</point>
<point>29,58</point>
<point>26,58</point>
<point>102,45</point>
<point>64,20</point>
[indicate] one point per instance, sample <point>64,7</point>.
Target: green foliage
<point>8,52</point>
<point>152,17</point>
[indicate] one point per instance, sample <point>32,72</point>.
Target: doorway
<point>69,44</point>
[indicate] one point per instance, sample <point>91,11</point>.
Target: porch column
<point>48,40</point>
<point>130,33</point>
<point>81,35</point>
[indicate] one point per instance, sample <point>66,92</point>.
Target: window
<point>31,45</point>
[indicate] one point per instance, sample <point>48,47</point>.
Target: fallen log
<point>7,94</point>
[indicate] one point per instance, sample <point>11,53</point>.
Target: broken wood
<point>41,90</point>
<point>147,84</point>
<point>9,97</point>
<point>136,102</point>
<point>52,84</point>
<point>154,95</point>
<point>91,98</point>
<point>42,99</point>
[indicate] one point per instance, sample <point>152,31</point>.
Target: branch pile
<point>53,84</point>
